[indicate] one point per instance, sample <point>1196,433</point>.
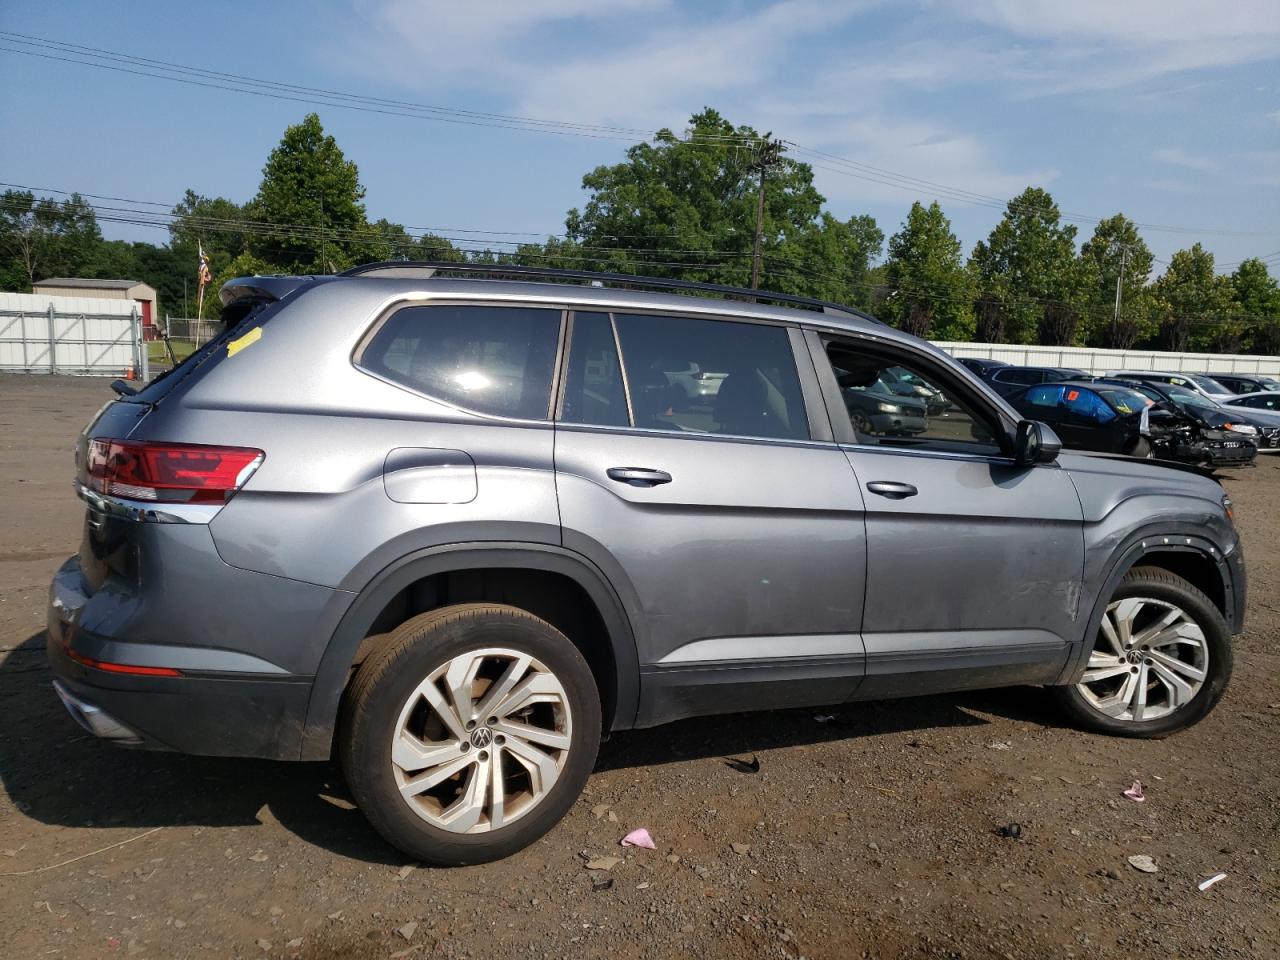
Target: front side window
<point>1087,404</point>
<point>887,408</point>
<point>492,359</point>
<point>711,376</point>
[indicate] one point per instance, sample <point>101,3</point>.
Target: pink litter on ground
<point>1135,793</point>
<point>638,838</point>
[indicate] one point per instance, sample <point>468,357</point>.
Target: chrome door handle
<point>892,489</point>
<point>638,476</point>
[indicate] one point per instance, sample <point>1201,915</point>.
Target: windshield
<point>1208,384</point>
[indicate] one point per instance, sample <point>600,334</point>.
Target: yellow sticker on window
<point>248,340</point>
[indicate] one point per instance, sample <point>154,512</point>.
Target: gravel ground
<point>872,834</point>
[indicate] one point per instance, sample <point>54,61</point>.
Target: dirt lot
<point>871,835</point>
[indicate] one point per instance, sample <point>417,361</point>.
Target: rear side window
<point>1045,396</point>
<point>711,376</point>
<point>1019,376</point>
<point>492,359</point>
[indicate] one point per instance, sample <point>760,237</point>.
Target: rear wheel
<point>470,733</point>
<point>1160,662</point>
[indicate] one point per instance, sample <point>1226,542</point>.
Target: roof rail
<point>428,268</point>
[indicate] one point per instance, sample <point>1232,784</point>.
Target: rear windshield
<point>236,319</point>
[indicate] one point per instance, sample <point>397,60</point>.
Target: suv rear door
<point>974,563</point>
<point>727,518</point>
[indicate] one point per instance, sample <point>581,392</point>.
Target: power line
<point>49,49</point>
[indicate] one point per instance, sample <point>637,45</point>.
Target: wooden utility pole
<point>768,154</point>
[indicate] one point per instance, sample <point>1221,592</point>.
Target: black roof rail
<point>419,268</point>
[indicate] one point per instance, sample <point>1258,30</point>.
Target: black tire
<point>388,677</point>
<point>1160,584</point>
<point>1141,448</point>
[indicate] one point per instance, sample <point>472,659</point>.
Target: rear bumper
<point>209,713</point>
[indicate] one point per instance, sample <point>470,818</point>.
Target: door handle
<point>892,489</point>
<point>638,476</point>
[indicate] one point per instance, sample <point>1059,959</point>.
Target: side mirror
<point>1035,443</point>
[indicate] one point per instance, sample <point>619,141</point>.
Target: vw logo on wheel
<point>481,737</point>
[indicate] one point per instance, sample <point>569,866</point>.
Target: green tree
<point>311,203</point>
<point>43,237</point>
<point>1193,304</point>
<point>1115,241</point>
<point>216,223</point>
<point>1031,285</point>
<point>1255,296</point>
<point>687,208</point>
<point>928,286</point>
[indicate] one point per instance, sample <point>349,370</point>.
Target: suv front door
<point>727,523</point>
<point>974,563</point>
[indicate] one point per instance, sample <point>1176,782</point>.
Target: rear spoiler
<point>269,288</point>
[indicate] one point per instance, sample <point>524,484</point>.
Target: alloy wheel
<point>482,740</point>
<point>1150,660</point>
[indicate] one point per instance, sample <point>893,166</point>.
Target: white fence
<point>76,335</point>
<point>1106,361</point>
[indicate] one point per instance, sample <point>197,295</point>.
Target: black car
<point>1265,400</point>
<point>1260,425</point>
<point>1238,383</point>
<point>982,366</point>
<point>1010,380</point>
<point>1107,418</point>
<point>1186,426</point>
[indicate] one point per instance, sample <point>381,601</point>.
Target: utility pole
<point>768,154</point>
<point>1115,319</point>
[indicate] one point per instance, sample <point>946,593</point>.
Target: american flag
<point>203,278</point>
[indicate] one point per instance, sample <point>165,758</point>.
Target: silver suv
<point>453,530</point>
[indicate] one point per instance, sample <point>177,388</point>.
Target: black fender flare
<point>332,674</point>
<point>1134,548</point>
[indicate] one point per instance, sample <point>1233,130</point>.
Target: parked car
<point>1196,382</point>
<point>1102,417</point>
<point>1237,383</point>
<point>1111,418</point>
<point>875,409</point>
<point>1268,400</point>
<point>1208,414</point>
<point>1010,380</point>
<point>982,366</point>
<point>340,529</point>
<point>904,383</point>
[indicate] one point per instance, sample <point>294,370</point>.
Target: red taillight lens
<point>169,472</point>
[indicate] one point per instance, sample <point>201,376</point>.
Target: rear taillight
<point>169,472</point>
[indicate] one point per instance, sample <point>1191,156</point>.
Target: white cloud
<point>1178,157</point>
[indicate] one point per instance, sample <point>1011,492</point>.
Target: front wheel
<point>470,733</point>
<point>1160,662</point>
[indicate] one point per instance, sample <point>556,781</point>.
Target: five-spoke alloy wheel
<point>469,732</point>
<point>1161,659</point>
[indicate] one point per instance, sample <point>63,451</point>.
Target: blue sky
<point>1166,110</point>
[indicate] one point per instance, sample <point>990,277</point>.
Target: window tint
<point>495,360</point>
<point>1020,376</point>
<point>898,405</point>
<point>711,376</point>
<point>1263,402</point>
<point>593,382</point>
<point>1045,396</point>
<point>1089,405</point>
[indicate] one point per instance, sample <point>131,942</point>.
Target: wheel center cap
<point>1134,656</point>
<point>481,737</point>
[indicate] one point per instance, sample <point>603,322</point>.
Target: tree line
<point>686,207</point>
